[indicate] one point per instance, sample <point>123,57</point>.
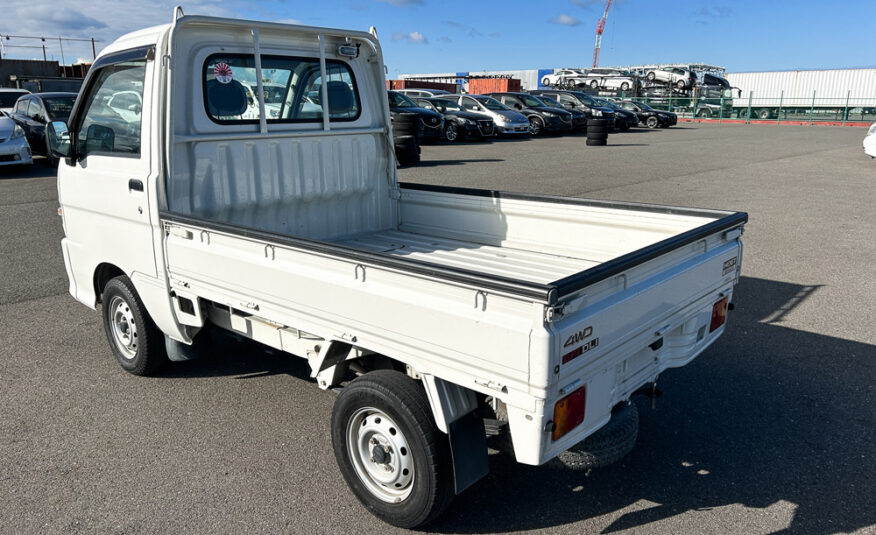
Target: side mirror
<point>518,106</point>
<point>58,139</point>
<point>99,138</point>
<point>569,105</point>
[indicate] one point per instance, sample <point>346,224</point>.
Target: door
<point>104,187</point>
<point>33,128</point>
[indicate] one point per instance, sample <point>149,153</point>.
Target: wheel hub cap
<point>124,327</point>
<point>380,454</point>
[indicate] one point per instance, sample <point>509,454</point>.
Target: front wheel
<point>536,126</point>
<point>680,84</point>
<point>135,340</point>
<point>451,132</point>
<point>594,85</point>
<point>389,451</point>
<point>546,81</point>
<point>625,86</point>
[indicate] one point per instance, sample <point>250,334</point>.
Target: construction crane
<point>600,26</point>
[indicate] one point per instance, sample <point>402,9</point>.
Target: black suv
<point>578,100</point>
<point>433,122</point>
<point>579,118</point>
<point>458,123</point>
<point>542,118</point>
<point>648,116</point>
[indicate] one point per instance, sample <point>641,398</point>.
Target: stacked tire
<point>406,138</point>
<point>597,132</point>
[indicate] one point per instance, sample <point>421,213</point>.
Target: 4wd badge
<point>579,336</point>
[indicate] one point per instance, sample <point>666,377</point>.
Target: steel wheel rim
<point>380,455</point>
<point>123,327</point>
<point>534,126</point>
<point>451,132</point>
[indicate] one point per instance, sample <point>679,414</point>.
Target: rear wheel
<point>651,122</point>
<point>651,76</point>
<point>389,451</point>
<point>763,114</point>
<point>680,84</point>
<point>594,85</point>
<point>704,114</point>
<point>546,81</point>
<point>135,340</point>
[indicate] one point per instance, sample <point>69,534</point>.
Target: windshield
<point>549,101</point>
<point>426,104</point>
<point>444,105</point>
<point>603,102</point>
<point>531,101</point>
<point>59,108</point>
<point>644,106</point>
<point>8,98</point>
<point>492,104</point>
<point>397,100</point>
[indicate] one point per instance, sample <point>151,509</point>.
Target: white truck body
<point>298,235</point>
<point>830,88</point>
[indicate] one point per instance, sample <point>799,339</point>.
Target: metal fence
<point>753,108</point>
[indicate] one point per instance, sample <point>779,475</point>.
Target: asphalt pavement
<point>771,430</point>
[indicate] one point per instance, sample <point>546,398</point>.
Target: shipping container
<point>482,86</point>
<point>828,88</point>
<point>421,84</point>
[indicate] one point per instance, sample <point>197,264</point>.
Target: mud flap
<point>468,446</point>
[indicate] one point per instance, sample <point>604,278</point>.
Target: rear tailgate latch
<point>554,313</point>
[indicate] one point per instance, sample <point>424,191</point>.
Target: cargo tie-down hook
<point>481,295</point>
<point>360,266</point>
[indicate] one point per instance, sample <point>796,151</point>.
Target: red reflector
<point>719,314</point>
<point>569,413</point>
<point>572,354</point>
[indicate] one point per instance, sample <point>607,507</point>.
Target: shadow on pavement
<point>767,415</point>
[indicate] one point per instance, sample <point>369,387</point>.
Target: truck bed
<point>531,266</point>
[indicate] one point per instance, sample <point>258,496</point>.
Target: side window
<point>34,109</point>
<point>112,110</point>
<point>292,86</point>
<point>21,106</point>
<point>566,99</point>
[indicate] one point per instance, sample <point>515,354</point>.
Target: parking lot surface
<point>771,430</point>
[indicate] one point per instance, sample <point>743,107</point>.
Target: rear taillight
<point>719,314</point>
<point>569,413</point>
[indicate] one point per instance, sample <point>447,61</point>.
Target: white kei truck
<point>440,315</point>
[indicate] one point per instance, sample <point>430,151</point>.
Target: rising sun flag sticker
<point>222,72</point>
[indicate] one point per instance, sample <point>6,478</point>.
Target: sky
<point>427,36</point>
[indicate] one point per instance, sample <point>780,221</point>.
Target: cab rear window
<point>292,88</point>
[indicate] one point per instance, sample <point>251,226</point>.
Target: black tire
<point>763,114</point>
<point>536,126</point>
<point>596,142</point>
<point>651,76</point>
<point>625,127</point>
<point>594,85</point>
<point>681,84</point>
<point>596,123</point>
<point>601,130</point>
<point>625,86</point>
<point>546,81</point>
<point>705,114</point>
<point>134,339</point>
<point>405,124</point>
<point>609,444</point>
<point>652,122</point>
<point>389,400</point>
<point>451,132</point>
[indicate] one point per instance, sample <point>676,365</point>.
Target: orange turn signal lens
<point>719,314</point>
<point>569,413</point>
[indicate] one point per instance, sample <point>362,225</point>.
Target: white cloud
<point>565,20</point>
<point>411,37</point>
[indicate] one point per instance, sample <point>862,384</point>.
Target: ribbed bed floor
<point>502,261</point>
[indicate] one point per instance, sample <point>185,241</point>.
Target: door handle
<point>135,185</point>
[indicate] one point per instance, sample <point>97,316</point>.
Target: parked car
<point>422,92</point>
<point>612,79</point>
<point>507,121</point>
<point>870,141</point>
<point>563,77</point>
<point>681,78</point>
<point>542,118</point>
<point>625,119</point>
<point>578,100</point>
<point>458,123</point>
<point>33,112</point>
<point>648,116</point>
<point>8,97</point>
<point>579,117</point>
<point>434,312</point>
<point>14,149</point>
<point>433,122</point>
